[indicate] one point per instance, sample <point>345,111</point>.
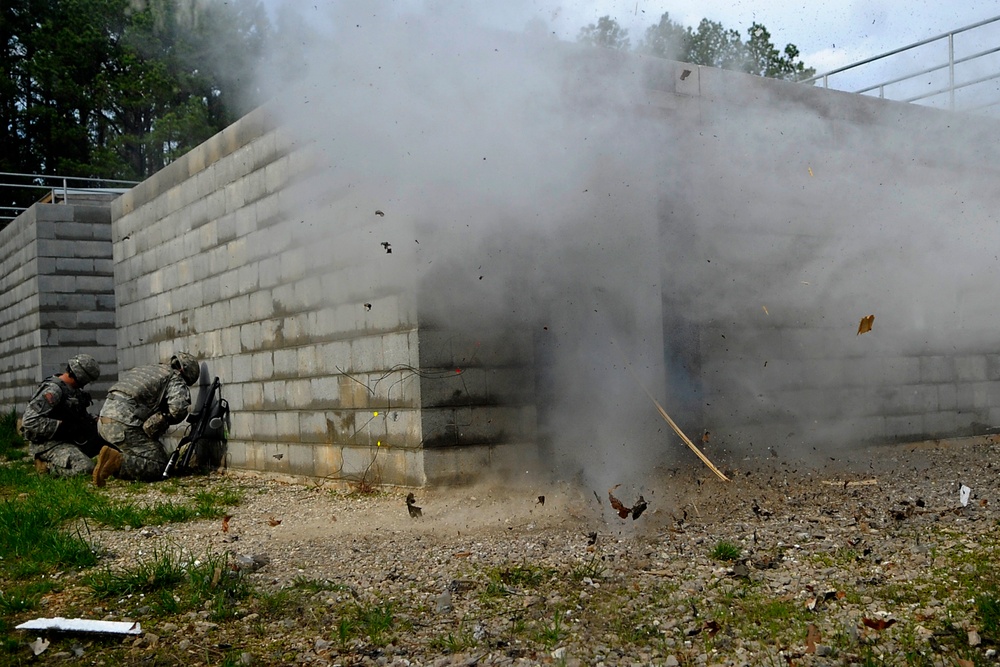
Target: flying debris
<point>388,247</point>
<point>273,522</point>
<point>541,500</point>
<point>866,324</point>
<point>225,522</point>
<point>638,508</point>
<point>411,506</point>
<point>368,306</point>
<point>617,505</point>
<point>379,213</point>
<point>623,511</point>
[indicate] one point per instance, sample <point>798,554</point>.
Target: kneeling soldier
<point>140,407</point>
<point>61,434</point>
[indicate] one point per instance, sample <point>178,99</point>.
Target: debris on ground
<point>39,645</point>
<point>60,624</point>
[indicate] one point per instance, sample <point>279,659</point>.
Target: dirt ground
<point>866,525</point>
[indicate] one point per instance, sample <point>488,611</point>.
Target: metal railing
<point>963,77</point>
<point>61,189</point>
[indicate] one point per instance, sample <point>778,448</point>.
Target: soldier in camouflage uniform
<point>140,407</point>
<point>61,434</point>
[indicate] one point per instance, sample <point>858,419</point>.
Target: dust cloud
<point>529,184</point>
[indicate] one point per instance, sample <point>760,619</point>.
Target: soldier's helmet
<point>84,368</point>
<point>187,365</point>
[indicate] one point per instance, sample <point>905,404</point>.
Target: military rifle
<point>208,423</point>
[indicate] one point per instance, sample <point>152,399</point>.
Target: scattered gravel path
<point>842,563</point>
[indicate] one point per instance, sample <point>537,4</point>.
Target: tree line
<point>709,44</point>
<point>116,89</point>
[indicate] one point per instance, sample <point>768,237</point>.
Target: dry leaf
<point>812,638</point>
<point>712,627</point>
<point>273,522</point>
<point>225,523</point>
<point>866,324</point>
<point>878,623</point>
<point>216,575</point>
<point>462,554</point>
<point>617,505</point>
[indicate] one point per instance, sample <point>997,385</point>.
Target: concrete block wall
<point>241,255</point>
<point>56,297</point>
<point>822,208</point>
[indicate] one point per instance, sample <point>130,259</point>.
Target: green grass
<point>24,597</point>
<point>35,512</point>
<point>171,584</point>
<point>726,551</point>
<point>373,622</point>
<point>550,633</point>
<point>592,569</point>
<point>164,571</point>
<point>12,446</point>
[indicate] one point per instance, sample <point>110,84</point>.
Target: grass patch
<point>527,576</point>
<point>35,510</point>
<point>12,446</point>
<point>170,584</point>
<point>375,622</point>
<point>24,597</point>
<point>592,569</point>
<point>550,633</point>
<point>988,610</point>
<point>164,571</point>
<point>726,551</point>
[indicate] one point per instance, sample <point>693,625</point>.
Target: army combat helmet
<point>187,365</point>
<point>84,368</point>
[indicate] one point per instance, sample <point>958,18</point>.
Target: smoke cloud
<point>532,185</point>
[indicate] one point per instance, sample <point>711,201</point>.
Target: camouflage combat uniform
<point>139,394</point>
<point>59,430</point>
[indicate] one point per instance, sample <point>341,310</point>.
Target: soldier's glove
<point>156,425</point>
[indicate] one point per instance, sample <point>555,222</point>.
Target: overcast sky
<point>828,33</point>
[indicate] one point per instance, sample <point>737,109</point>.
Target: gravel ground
<point>855,561</point>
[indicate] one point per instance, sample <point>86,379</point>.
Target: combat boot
<point>109,462</point>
